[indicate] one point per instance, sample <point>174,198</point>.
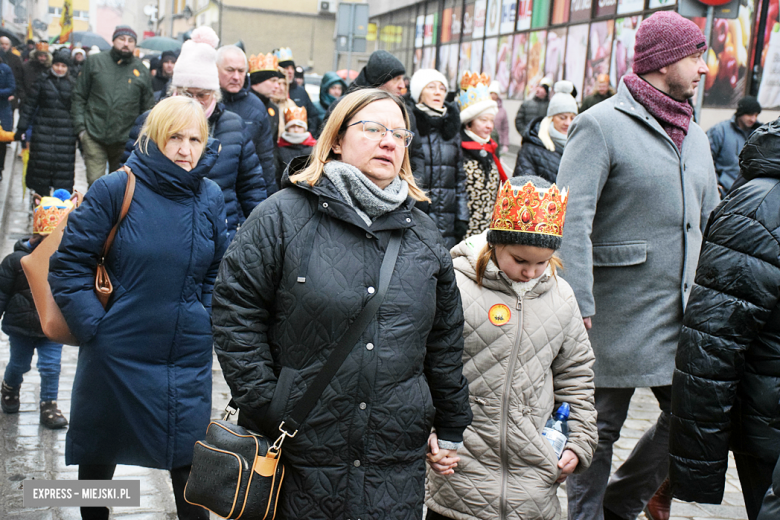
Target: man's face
<point>394,86</point>
<point>289,71</point>
<point>42,57</point>
<point>602,87</point>
<point>167,68</point>
<point>124,44</point>
<point>747,121</point>
<point>683,76</point>
<point>232,72</point>
<point>268,88</point>
<point>541,92</point>
<point>5,44</point>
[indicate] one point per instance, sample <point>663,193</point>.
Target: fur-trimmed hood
<point>448,125</point>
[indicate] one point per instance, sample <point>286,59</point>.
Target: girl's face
<point>522,263</point>
<point>482,126</point>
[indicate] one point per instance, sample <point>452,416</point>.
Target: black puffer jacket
<point>725,392</point>
<point>237,171</point>
<point>53,142</point>
<point>16,301</point>
<point>285,155</point>
<point>534,158</point>
<point>361,452</point>
<point>441,172</point>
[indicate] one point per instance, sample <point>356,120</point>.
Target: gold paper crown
<point>263,62</point>
<point>42,46</point>
<point>295,114</point>
<point>48,213</point>
<point>530,209</point>
<point>473,79</point>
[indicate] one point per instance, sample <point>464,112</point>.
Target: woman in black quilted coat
<point>725,391</point>
<point>299,270</point>
<point>53,142</point>
<point>441,174</point>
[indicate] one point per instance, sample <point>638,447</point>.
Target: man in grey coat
<point>641,187</point>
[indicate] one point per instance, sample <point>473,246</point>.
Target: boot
<point>51,417</point>
<point>659,507</point>
<point>9,398</point>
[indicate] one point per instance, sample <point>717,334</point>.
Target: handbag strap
<point>128,198</point>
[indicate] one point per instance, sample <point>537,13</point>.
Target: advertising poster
<point>508,11</point>
<point>560,12</point>
<point>727,59</point>
<point>452,66</point>
<point>430,30</point>
<point>419,31</point>
<point>623,48</point>
<point>446,25</point>
<point>476,57</point>
<point>576,50</point>
<point>417,59</point>
<point>524,10</point>
<point>480,9</point>
<point>493,18</point>
<point>468,22</point>
<point>519,66</point>
<point>580,10</point>
<point>605,8</point>
<point>504,63</point>
<point>536,52</point>
<point>489,57</point>
<point>630,6</point>
<point>598,57</point>
<point>464,61</point>
<point>428,58</point>
<point>654,4</point>
<point>444,56</point>
<point>541,13</point>
<point>456,27</point>
<point>556,50</point>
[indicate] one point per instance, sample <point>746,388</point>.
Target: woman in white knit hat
<point>545,137</point>
<point>441,175</point>
<point>237,171</point>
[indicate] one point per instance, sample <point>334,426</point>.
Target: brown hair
<point>489,253</point>
<point>336,127</point>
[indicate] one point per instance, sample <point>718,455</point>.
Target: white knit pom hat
<point>562,102</point>
<point>422,78</point>
<point>197,63</point>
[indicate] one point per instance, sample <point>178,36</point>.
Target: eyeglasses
<point>376,131</point>
<point>202,95</point>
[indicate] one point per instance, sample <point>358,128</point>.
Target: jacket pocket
<point>280,403</point>
<point>619,254</point>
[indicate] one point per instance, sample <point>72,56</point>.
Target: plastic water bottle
<point>556,431</point>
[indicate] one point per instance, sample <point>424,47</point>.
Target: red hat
<point>663,39</point>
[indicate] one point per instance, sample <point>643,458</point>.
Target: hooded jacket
<point>725,386</point>
<point>519,372</point>
<point>326,100</point>
<point>16,302</point>
<point>530,110</point>
<point>142,390</point>
<point>441,174</point>
<point>538,155</point>
<point>361,451</point>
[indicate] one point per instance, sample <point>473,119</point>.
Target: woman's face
<point>433,94</point>
<point>185,148</point>
<point>59,69</point>
<point>562,122</point>
<point>335,90</point>
<point>522,263</point>
<point>379,160</point>
<point>482,126</point>
<point>202,96</point>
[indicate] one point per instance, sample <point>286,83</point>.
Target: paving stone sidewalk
<point>29,451</point>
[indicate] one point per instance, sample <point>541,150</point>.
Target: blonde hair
<point>336,127</point>
<point>488,253</point>
<point>170,116</point>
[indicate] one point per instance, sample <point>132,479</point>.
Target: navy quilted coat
<point>360,453</point>
<point>53,142</point>
<point>441,172</point>
<point>142,391</point>
<point>237,171</point>
<point>16,301</point>
<point>534,158</point>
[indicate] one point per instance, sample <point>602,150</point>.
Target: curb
<point>9,178</point>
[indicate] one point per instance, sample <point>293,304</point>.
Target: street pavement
<point>29,451</point>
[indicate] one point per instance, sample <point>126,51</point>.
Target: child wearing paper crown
<point>21,322</point>
<point>526,352</point>
<point>296,140</point>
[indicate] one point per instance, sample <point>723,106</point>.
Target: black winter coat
<point>285,155</point>
<point>53,142</point>
<point>441,173</point>
<point>725,392</point>
<point>237,171</point>
<point>16,301</point>
<point>534,158</point>
<point>361,452</point>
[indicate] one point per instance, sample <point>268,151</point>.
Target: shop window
<point>541,14</point>
<point>655,4</point>
<point>630,6</point>
<point>493,18</point>
<point>605,8</point>
<point>476,56</point>
<point>489,57</point>
<point>464,60</point>
<point>623,49</point>
<point>599,53</point>
<point>524,14</point>
<point>576,54</point>
<point>536,53</point>
<point>556,51</point>
<point>480,10</point>
<point>468,22</point>
<point>727,60</point>
<point>519,66</point>
<point>580,10</point>
<point>508,12</point>
<point>504,63</point>
<point>560,13</point>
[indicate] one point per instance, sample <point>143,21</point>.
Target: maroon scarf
<point>674,116</point>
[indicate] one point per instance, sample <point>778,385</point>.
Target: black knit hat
<point>259,76</point>
<point>168,56</point>
<point>382,67</point>
<point>748,105</point>
<point>496,237</point>
<point>61,56</point>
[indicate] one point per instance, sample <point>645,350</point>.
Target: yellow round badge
<point>499,314</point>
<point>137,74</point>
<point>271,112</point>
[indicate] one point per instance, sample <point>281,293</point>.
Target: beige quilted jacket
<point>533,355</point>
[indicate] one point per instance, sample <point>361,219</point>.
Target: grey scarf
<point>360,192</point>
<point>433,112</point>
<point>558,138</point>
<point>295,138</point>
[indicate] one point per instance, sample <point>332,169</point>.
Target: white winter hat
<point>495,86</point>
<point>197,63</point>
<point>422,78</point>
<point>562,102</point>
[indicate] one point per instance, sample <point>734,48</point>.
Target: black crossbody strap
<point>346,343</point>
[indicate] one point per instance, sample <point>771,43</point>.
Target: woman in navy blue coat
<point>142,391</point>
<point>7,88</point>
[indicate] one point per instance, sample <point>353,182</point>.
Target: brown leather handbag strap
<point>129,191</point>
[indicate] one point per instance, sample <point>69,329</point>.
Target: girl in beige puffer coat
<point>526,352</point>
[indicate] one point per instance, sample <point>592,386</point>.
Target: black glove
<point>461,228</point>
<point>19,136</point>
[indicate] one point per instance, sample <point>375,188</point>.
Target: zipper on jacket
<point>510,369</point>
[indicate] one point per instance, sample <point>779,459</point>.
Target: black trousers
<point>433,515</point>
<point>755,477</point>
<point>179,478</point>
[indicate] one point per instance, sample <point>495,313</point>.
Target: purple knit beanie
<point>663,39</point>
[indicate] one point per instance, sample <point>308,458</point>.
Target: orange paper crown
<point>263,62</point>
<point>48,213</point>
<point>530,209</point>
<point>295,114</point>
<point>470,79</point>
<point>42,46</point>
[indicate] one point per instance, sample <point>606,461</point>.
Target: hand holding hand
<point>568,463</point>
<point>588,323</point>
<point>440,460</point>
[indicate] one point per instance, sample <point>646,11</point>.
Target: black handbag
<point>237,473</point>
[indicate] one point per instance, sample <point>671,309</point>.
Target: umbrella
<point>343,74</point>
<point>87,39</point>
<point>160,43</point>
<point>15,41</point>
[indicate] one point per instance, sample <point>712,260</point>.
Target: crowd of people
<point>258,229</point>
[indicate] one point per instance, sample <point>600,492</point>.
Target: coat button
<point>408,220</point>
<point>369,346</point>
<point>368,235</point>
<point>362,406</point>
<point>371,290</point>
<point>685,287</point>
<point>356,463</point>
<point>324,204</point>
<point>687,227</point>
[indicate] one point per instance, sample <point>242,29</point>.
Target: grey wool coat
<point>636,212</point>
